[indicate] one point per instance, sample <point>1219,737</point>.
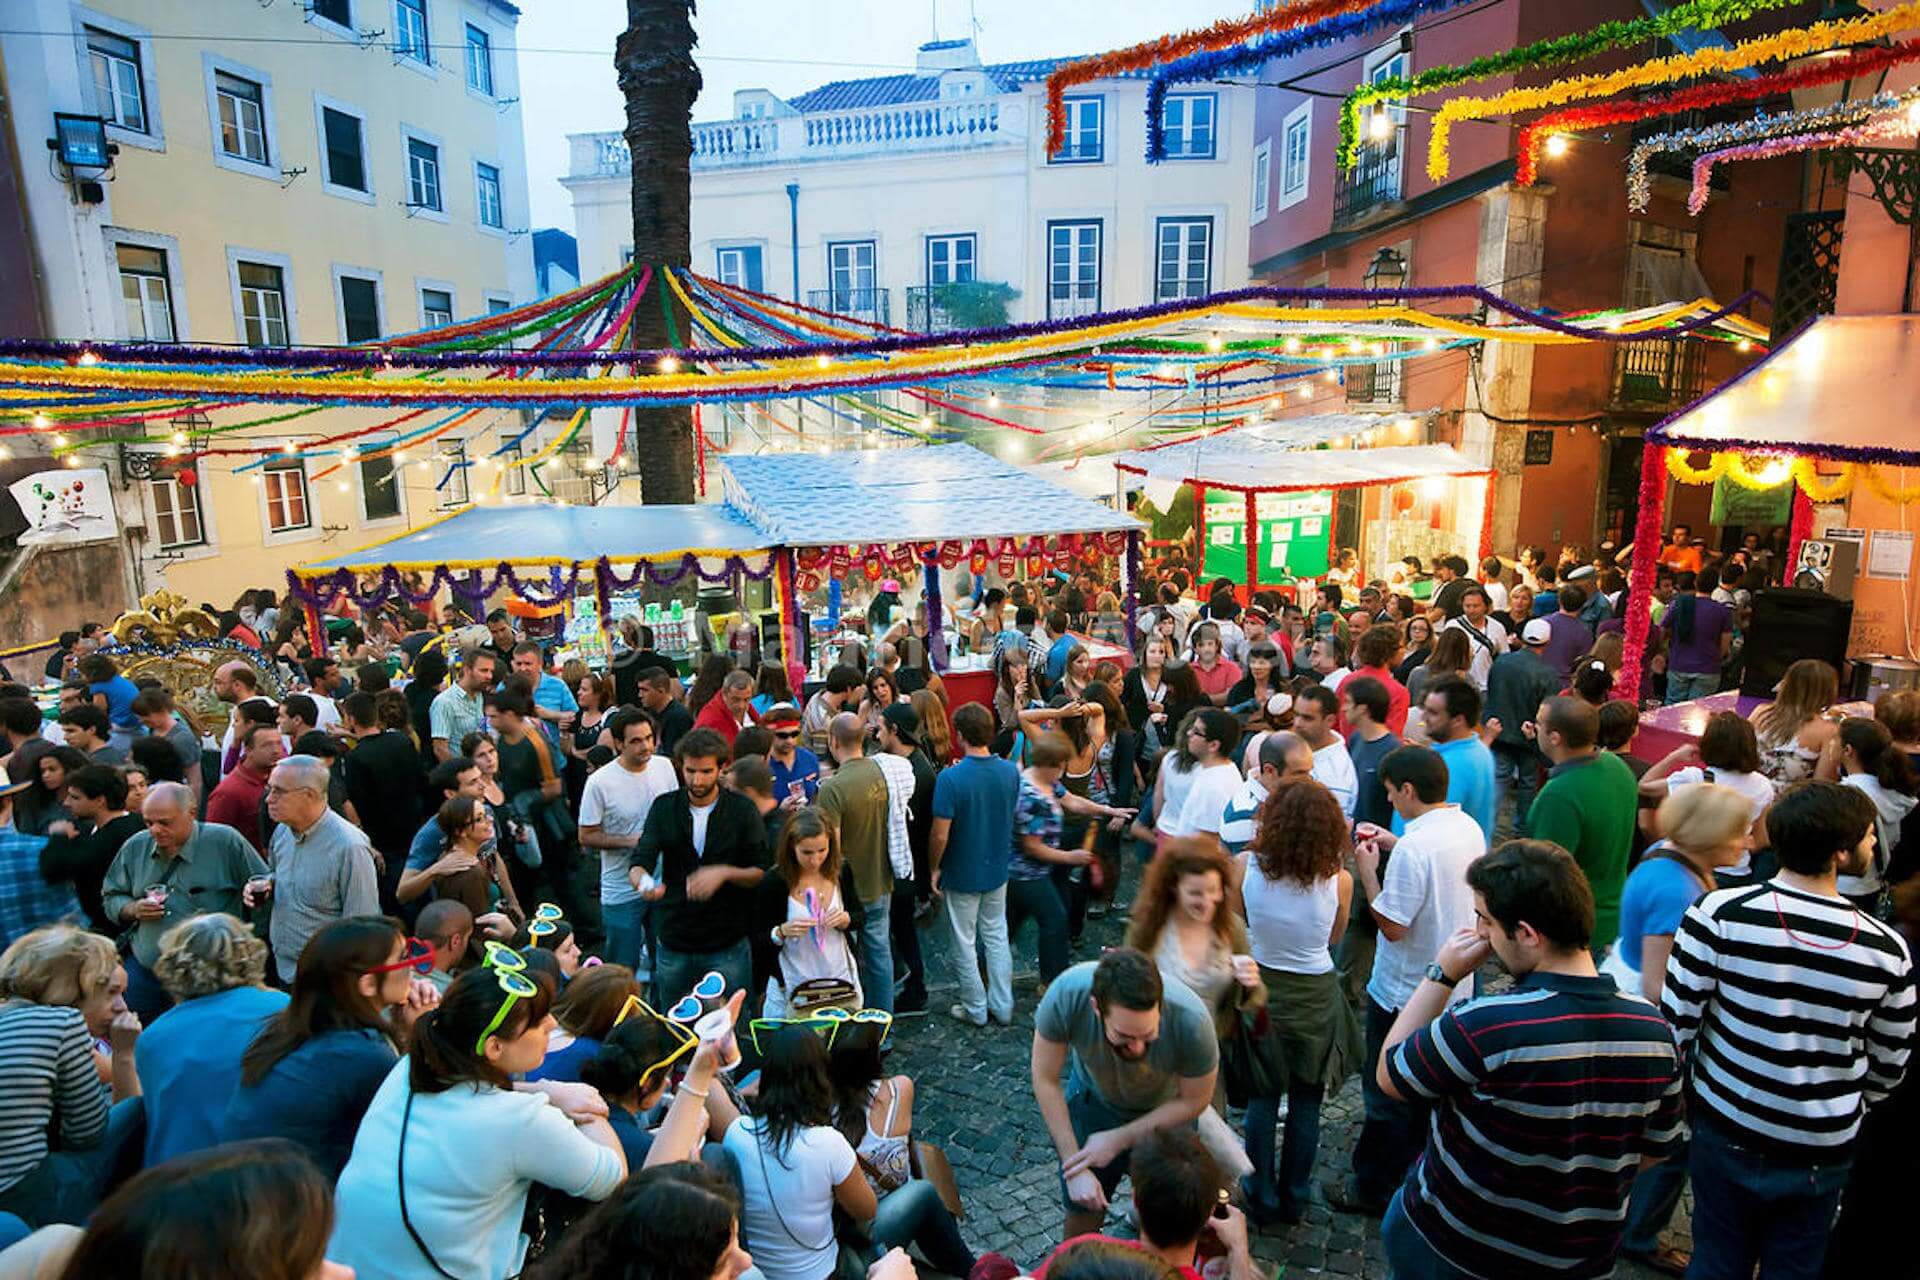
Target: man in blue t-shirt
<point>796,770</point>
<point>1452,712</point>
<point>974,803</point>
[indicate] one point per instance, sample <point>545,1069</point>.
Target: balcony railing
<point>1658,375</point>
<point>862,304</point>
<point>726,144</point>
<point>1373,384</point>
<point>1372,185</point>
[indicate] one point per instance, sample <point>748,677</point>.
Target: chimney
<point>947,55</point>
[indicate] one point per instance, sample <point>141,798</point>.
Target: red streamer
<point>1646,566</point>
<point>1799,529</point>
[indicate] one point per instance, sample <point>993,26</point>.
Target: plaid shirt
<point>27,901</point>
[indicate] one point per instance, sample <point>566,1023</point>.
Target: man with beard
<point>1144,1057</point>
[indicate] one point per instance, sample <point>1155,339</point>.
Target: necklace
<point>1799,941</point>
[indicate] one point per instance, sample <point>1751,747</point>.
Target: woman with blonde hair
<point>1704,827</point>
<point>189,1059</point>
<point>1795,727</point>
<point>61,989</point>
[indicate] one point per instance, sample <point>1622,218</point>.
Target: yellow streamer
<point>1818,488</point>
<point>1680,469</point>
<point>1773,473</point>
<point>1784,46</point>
<point>1878,482</point>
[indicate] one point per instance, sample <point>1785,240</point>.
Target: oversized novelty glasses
<point>546,918</point>
<point>510,971</point>
<point>683,1039</point>
<point>418,957</point>
<point>840,1029</point>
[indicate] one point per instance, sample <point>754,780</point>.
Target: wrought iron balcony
<point>1661,374</point>
<point>1372,187</point>
<point>1376,385</point>
<point>862,304</point>
<point>967,304</point>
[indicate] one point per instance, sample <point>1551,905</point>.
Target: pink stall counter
<point>1668,729</point>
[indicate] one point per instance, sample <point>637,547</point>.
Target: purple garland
<point>328,357</point>
<point>560,584</point>
<point>936,643</point>
<point>1132,603</point>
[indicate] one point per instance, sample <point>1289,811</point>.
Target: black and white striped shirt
<point>1794,1012</point>
<point>46,1072</point>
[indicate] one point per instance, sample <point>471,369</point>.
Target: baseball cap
<point>1536,632</point>
<point>903,719</point>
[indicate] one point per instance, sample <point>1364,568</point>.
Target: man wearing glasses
<point>796,770</point>
<point>323,867</point>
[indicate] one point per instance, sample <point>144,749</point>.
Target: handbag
<point>823,993</point>
<point>1250,1065</point>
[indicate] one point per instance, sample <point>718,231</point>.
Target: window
<point>118,94</point>
<point>1388,63</point>
<point>950,259</point>
<point>1186,121</point>
<point>741,267</point>
<point>1296,154</point>
<point>1262,177</point>
<point>423,175</point>
<point>453,481</point>
<point>339,12</point>
<point>497,304</point>
<point>176,513</point>
<point>486,180</point>
<point>379,488</point>
<point>284,486</point>
<point>436,308</point>
<point>513,477</point>
<point>479,60</point>
<point>1183,254</point>
<point>410,31</point>
<point>1084,142</point>
<point>263,304</point>
<point>359,309</point>
<point>145,292</point>
<point>851,275</point>
<point>1073,269</point>
<point>345,150</point>
<point>243,120</point>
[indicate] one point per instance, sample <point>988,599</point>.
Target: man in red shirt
<point>1374,656</point>
<point>236,801</point>
<point>730,709</point>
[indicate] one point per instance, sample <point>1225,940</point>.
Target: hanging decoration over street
<point>1881,129</point>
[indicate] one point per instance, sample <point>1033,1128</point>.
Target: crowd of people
<point>635,950</point>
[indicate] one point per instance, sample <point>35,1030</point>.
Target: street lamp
<point>1387,272</point>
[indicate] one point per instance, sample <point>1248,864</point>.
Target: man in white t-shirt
<point>1211,738</point>
<point>1420,902</point>
<point>1314,708</point>
<point>613,812</point>
<point>1486,638</point>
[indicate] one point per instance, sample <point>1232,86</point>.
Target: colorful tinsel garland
<point>1779,47</point>
<point>1804,472</point>
<point>1880,129</point>
<point>1696,15</point>
<point>1646,563</point>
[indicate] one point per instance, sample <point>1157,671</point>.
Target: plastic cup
<point>717,1026</point>
<point>1246,969</point>
<point>157,894</point>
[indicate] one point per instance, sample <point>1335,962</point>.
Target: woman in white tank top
<point>1295,892</point>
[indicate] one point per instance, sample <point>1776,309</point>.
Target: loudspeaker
<point>1828,565</point>
<point>1790,623</point>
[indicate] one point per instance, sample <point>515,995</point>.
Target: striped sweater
<point>46,1073</point>
<point>1794,1012</point>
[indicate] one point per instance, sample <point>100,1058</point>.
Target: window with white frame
<point>1388,63</point>
<point>479,60</point>
<point>951,259</point>
<point>436,308</point>
<point>283,483</point>
<point>486,181</point>
<point>410,31</point>
<point>343,149</point>
<point>1073,269</point>
<point>243,117</point>
<point>742,266</point>
<point>1262,177</point>
<point>146,292</point>
<point>498,303</point>
<point>1085,138</point>
<point>851,274</point>
<point>263,304</point>
<point>176,514</point>
<point>380,487</point>
<point>118,93</point>
<point>452,456</point>
<point>513,478</point>
<point>1296,154</point>
<point>1183,253</point>
<point>1187,124</point>
<point>423,175</point>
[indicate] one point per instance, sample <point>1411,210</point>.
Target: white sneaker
<point>959,1013</point>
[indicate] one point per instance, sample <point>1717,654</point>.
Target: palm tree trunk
<point>654,61</point>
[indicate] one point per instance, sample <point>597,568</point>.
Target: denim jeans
<point>1409,1256</point>
<point>908,963</point>
<point>1685,686</point>
<point>914,1214</point>
<point>145,995</point>
<point>1516,772</point>
<point>982,918</point>
<point>1750,1206</point>
<point>1395,1132</point>
<point>67,1185</point>
<point>1650,1206</point>
<point>626,924</point>
<point>876,954</point>
<point>676,972</point>
<point>1289,1187</point>
<point>1039,901</point>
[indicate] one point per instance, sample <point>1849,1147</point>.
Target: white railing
<point>915,127</point>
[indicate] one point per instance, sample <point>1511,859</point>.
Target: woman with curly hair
<point>189,1059</point>
<point>1295,893</point>
<point>1181,919</point>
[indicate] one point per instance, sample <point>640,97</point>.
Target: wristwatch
<point>1436,974</point>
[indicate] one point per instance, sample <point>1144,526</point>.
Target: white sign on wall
<point>67,506</point>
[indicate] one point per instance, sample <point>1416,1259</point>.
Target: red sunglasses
<point>419,958</point>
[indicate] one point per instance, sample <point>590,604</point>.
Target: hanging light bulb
<point>41,422</point>
<point>1214,342</point>
<point>179,437</point>
<point>1557,145</point>
<point>668,364</point>
<point>87,357</point>
<point>1431,344</point>
<point>73,459</point>
<point>1743,346</point>
<point>341,485</point>
<point>352,454</point>
<point>1293,344</point>
<point>288,448</point>
<point>60,441</point>
<point>6,454</point>
<point>1333,375</point>
<point>926,422</point>
<point>1380,125</point>
<point>823,362</point>
<point>993,401</point>
<point>173,451</point>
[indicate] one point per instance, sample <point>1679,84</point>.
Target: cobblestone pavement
<point>973,1100</point>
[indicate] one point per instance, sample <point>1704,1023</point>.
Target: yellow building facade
<point>286,174</point>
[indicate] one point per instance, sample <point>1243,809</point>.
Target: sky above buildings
<point>789,46</point>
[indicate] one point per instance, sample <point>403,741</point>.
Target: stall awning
<point>1267,466</point>
<point>905,495</point>
<point>482,537</point>
<point>1844,389</point>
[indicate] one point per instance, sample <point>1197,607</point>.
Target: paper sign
<point>65,506</point>
<point>1890,554</point>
